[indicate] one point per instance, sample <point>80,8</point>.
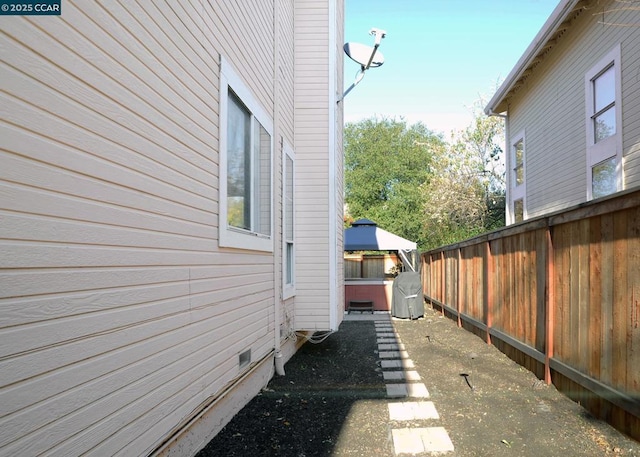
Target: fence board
<point>540,265</point>
<point>595,297</point>
<point>520,305</point>
<point>574,294</point>
<point>562,295</point>
<point>619,374</point>
<point>606,301</point>
<point>583,311</point>
<point>633,278</point>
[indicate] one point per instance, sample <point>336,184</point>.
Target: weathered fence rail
<point>561,296</point>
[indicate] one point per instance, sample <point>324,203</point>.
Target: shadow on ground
<point>312,410</point>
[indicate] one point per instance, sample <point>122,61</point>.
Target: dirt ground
<point>332,402</point>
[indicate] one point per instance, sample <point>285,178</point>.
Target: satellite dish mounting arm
<point>379,34</point>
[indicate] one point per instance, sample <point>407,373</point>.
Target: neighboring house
<point>572,109</point>
<point>170,215</point>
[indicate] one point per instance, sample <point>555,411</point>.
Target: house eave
<point>546,38</point>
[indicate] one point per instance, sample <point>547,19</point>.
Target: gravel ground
<point>332,402</point>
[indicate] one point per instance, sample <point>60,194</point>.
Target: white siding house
<point>170,215</point>
<point>572,109</point>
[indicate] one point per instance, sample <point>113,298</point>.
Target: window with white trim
<point>518,210</point>
<point>246,175</point>
<point>288,226</point>
<point>517,180</point>
<point>603,119</point>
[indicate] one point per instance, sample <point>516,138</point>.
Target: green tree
<point>413,183</point>
<point>453,201</point>
<point>386,164</point>
<point>485,139</point>
<point>466,196</point>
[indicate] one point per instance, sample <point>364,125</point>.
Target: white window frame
<point>517,192</point>
<point>230,236</point>
<point>609,147</point>
<point>288,288</point>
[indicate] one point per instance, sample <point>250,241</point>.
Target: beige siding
<point>285,69</point>
<point>339,200</point>
<point>252,25</point>
<point>120,313</point>
<point>631,103</point>
<point>312,166</point>
<point>285,132</point>
<point>550,108</point>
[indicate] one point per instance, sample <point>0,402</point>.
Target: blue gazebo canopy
<point>365,235</point>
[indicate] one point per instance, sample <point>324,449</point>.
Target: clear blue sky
<point>440,55</point>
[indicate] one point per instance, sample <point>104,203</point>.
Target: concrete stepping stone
<point>393,354</point>
<point>412,410</point>
<point>388,340</point>
<point>394,364</point>
<point>401,375</point>
<point>414,390</point>
<point>391,347</point>
<point>421,440</point>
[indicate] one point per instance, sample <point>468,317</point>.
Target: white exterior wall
<point>550,108</point>
<point>285,49</point>
<point>339,169</point>
<point>630,57</point>
<point>120,314</point>
<point>319,165</point>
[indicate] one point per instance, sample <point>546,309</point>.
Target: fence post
<point>458,288</point>
<point>443,270</point>
<point>549,307</point>
<point>488,289</point>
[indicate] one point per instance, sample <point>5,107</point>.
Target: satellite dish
<point>366,56</point>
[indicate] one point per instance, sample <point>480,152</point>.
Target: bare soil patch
<point>332,402</point>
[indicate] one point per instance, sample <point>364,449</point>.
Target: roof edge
<point>558,16</point>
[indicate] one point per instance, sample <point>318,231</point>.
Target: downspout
<point>277,270</point>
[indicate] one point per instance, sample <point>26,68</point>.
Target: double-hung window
<point>288,254</point>
<point>517,183</point>
<point>245,166</point>
<point>603,118</point>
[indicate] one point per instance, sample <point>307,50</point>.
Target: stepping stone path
<point>408,399</point>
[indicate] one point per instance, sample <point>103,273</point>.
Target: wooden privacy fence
<point>558,294</point>
<point>366,266</point>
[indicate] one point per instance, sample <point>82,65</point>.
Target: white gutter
<point>559,15</point>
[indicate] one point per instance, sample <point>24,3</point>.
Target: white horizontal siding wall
<point>285,130</point>
<point>119,313</point>
<point>630,56</point>
<point>339,167</point>
<point>312,164</point>
<point>286,69</point>
<point>550,108</point>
